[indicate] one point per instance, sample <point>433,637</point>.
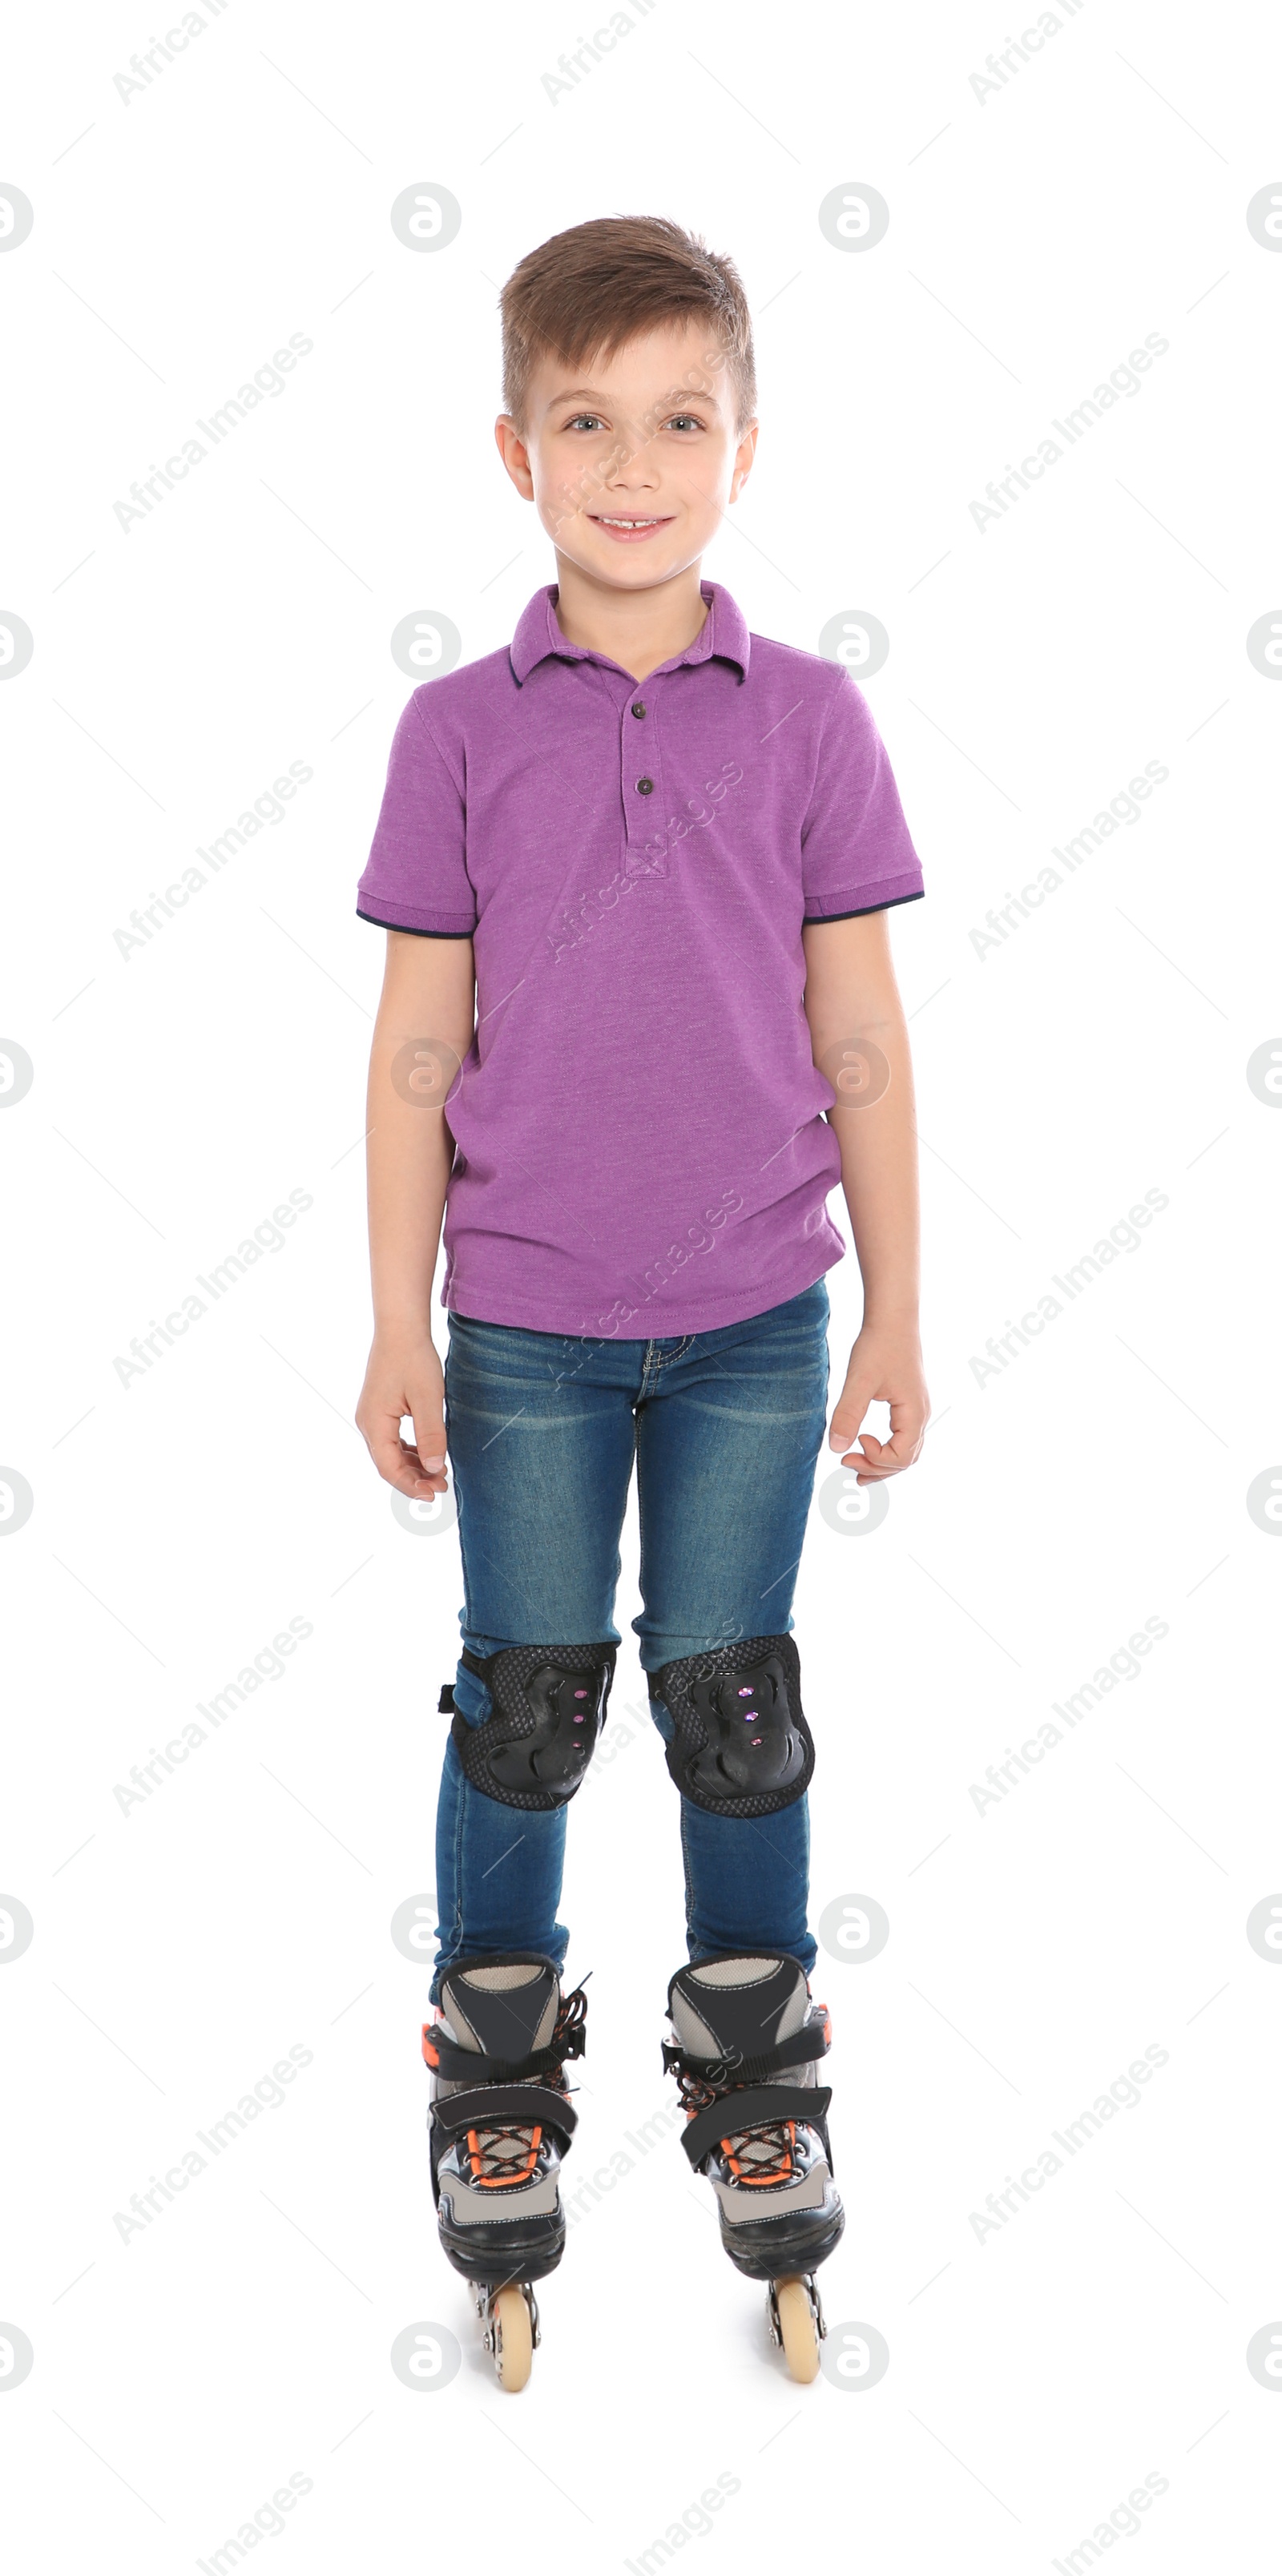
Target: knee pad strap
<point>741,1745</point>
<point>549,1706</point>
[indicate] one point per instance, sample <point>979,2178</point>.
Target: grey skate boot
<point>748,2041</point>
<point>500,2124</point>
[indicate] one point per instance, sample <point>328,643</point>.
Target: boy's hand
<point>885,1367</point>
<point>405,1377</point>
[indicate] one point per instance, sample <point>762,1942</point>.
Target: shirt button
<point>639,708</point>
<point>645,787</point>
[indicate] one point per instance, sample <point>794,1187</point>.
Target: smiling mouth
<point>604,519</point>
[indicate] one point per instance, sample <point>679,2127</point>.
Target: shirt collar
<point>723,635</point>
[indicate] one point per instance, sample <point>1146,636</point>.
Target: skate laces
<point>503,2155</point>
<point>508,2152</point>
<point>572,2014</point>
<point>766,2152</point>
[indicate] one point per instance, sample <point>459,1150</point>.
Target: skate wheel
<point>797,2331</point>
<point>513,2339</point>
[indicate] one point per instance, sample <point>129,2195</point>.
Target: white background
<point>1037,1947</point>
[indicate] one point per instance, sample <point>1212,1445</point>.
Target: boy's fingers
<point>429,1439</point>
<point>397,1463</point>
<point>889,1457</point>
<point>877,1458</point>
<point>852,1405</point>
<point>411,1479</point>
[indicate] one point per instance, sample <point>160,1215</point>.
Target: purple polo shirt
<point>640,1142</point>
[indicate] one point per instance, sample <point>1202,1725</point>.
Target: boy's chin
<point>628,567</point>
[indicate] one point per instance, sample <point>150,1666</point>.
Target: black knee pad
<point>549,1707</point>
<point>741,1746</point>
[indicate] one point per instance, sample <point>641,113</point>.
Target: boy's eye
<point>585,420</point>
<point>684,420</point>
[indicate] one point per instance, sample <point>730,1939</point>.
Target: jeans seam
<point>689,1885</point>
<point>656,1361</point>
<point>456,1932</point>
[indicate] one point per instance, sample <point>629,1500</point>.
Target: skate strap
<point>505,2107</point>
<point>805,2047</point>
<point>467,2065</point>
<point>751,2107</point>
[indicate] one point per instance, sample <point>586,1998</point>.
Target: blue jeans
<point>725,1428</point>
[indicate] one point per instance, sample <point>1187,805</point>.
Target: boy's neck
<point>639,629</point>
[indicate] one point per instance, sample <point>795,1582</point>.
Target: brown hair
<point>587,292</point>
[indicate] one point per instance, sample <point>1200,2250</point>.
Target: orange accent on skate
<point>501,2182</point>
<point>752,2179</point>
<point>827,2027</point>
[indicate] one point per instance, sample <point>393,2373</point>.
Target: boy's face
<point>632,460</point>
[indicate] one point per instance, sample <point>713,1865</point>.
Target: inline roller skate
<point>500,2123</point>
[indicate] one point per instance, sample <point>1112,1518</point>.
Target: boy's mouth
<point>625,529</point>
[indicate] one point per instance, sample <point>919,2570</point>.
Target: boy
<point>635,872</point>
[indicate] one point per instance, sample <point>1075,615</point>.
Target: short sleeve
<point>856,852</point>
<point>416,874</point>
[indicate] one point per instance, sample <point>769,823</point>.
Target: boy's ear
<point>744,454</point>
<point>515,455</point>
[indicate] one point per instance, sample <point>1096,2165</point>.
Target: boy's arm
<point>860,1044</point>
<point>428,997</point>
